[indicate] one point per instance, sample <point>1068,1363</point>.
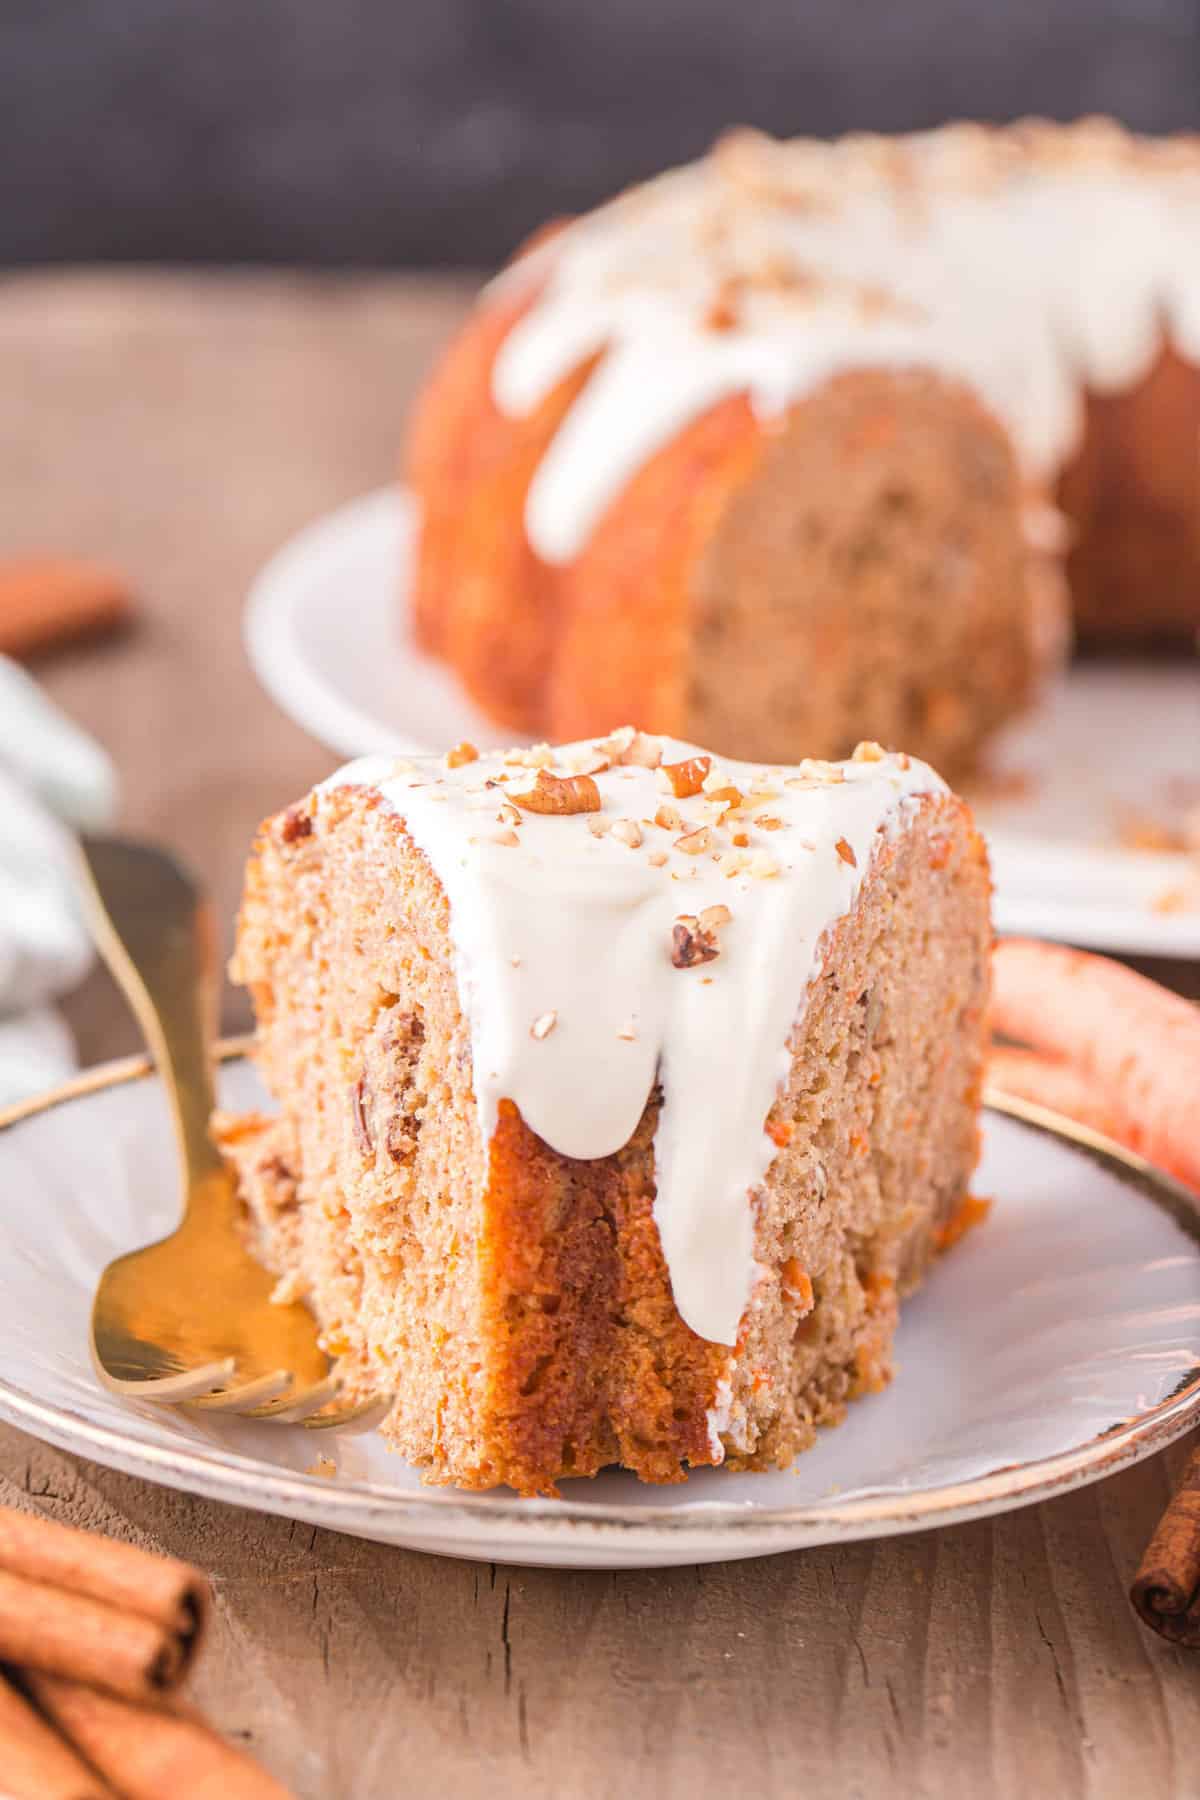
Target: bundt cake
<point>796,441</point>
<point>622,1092</point>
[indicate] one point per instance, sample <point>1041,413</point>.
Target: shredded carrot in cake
<point>971,1211</point>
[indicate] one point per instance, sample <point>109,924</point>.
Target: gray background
<point>357,131</point>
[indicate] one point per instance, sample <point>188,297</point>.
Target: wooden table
<point>181,426</point>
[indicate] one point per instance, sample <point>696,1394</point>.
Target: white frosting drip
<point>575,929</point>
<point>1025,266</point>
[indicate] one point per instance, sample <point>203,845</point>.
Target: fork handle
<point>154,926</point>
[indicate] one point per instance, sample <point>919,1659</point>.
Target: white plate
<point>1059,1341</point>
<point>324,633</point>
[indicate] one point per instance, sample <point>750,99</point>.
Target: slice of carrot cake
<point>622,1091</point>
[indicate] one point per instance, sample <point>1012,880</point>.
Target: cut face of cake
<point>622,1091</point>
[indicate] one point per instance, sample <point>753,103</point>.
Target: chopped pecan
<point>686,778</point>
<point>644,752</point>
<point>625,745</point>
<point>692,944</point>
<point>296,824</point>
<point>846,852</point>
<point>538,756</point>
<point>560,794</point>
<point>713,917</point>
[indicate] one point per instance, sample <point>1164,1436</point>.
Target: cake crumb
<point>461,754</point>
<point>324,1466</point>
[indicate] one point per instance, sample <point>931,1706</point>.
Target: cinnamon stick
<point>160,1588</point>
<point>43,1627</point>
<point>1166,1589</point>
<point>77,1604</point>
<point>46,600</point>
<point>148,1753</point>
<point>35,1762</point>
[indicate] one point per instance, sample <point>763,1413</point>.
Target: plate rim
<point>335,722</point>
<point>341,726</point>
<point>351,1505</point>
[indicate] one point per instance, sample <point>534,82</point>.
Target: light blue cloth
<point>52,777</point>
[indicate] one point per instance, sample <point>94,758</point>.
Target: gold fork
<point>189,1320</point>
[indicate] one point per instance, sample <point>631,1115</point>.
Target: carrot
<point>1133,1044</point>
<point>1047,1082</point>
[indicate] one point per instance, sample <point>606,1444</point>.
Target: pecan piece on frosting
<point>296,824</point>
<point>560,794</point>
<point>625,745</point>
<point>693,943</point>
<point>683,779</point>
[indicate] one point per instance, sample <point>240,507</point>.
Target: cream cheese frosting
<point>601,952</point>
<point>1029,262</point>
